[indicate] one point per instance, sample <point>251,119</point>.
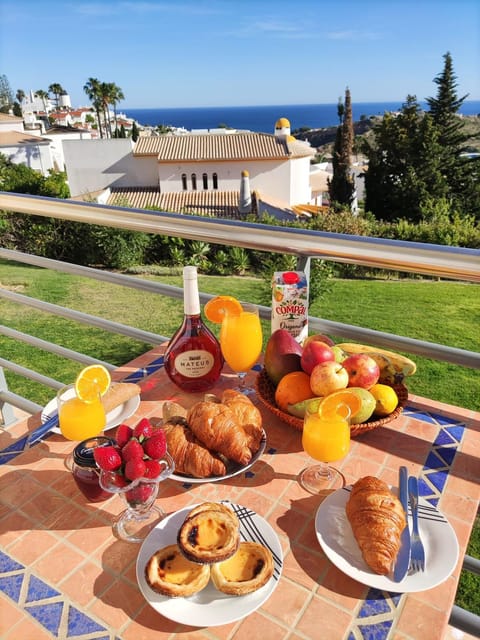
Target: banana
<point>388,373</point>
<point>403,366</point>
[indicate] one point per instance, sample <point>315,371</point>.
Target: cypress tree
<point>341,187</point>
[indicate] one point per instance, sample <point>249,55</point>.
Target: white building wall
<point>300,191</point>
<point>36,157</point>
<point>94,165</point>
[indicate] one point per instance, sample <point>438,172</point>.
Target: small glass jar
<point>85,471</point>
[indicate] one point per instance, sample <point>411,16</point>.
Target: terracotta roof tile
<point>222,146</point>
<point>9,138</point>
<point>218,204</point>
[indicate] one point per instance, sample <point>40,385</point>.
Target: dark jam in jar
<point>85,470</point>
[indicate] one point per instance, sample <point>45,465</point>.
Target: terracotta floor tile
<point>89,582</point>
<point>10,615</point>
<point>303,568</point>
<point>32,546</point>
<point>420,620</point>
<point>118,555</point>
<point>323,620</point>
<point>149,625</point>
<point>27,629</point>
<point>92,537</point>
<point>13,526</point>
<point>58,563</point>
<point>341,589</point>
<point>18,487</point>
<point>118,604</point>
<point>287,601</point>
<point>255,623</point>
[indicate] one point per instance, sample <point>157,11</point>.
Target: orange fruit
<point>92,381</point>
<point>293,387</point>
<point>335,402</point>
<point>217,307</point>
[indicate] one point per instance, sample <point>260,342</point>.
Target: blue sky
<point>192,53</point>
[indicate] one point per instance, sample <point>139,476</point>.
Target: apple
<point>320,337</point>
<point>339,353</point>
<point>315,352</point>
<point>362,370</point>
<point>327,377</point>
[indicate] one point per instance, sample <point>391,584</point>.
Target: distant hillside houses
<point>190,172</point>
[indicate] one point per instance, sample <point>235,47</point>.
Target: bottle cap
<point>189,273</point>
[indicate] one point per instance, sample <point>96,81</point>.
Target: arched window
<point>194,181</point>
<point>215,181</point>
<point>205,181</point>
<point>184,181</point>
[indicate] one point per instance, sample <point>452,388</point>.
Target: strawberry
<point>123,435</point>
<point>156,446</point>
<point>134,469</point>
<point>143,430</point>
<point>132,450</point>
<point>141,494</point>
<point>107,458</point>
<point>152,468</point>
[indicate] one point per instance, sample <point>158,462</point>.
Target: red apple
<point>362,370</point>
<point>327,377</point>
<point>320,337</point>
<point>314,353</point>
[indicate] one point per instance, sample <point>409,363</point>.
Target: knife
<point>403,557</point>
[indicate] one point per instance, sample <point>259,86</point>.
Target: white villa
<point>197,172</point>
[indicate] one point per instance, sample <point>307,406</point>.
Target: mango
<point>282,355</point>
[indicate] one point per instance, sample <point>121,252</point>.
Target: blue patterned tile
<point>48,615</point>
<point>447,454</point>
<point>433,461</point>
<point>11,586</point>
<point>8,564</point>
<point>80,624</point>
<point>456,431</point>
<point>38,590</point>
<point>377,631</point>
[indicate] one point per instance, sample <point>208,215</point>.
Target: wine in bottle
<point>193,359</point>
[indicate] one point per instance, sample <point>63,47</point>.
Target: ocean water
<point>263,118</point>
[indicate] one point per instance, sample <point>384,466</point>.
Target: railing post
<point>7,415</point>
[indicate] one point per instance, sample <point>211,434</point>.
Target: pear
<point>282,355</point>
<point>368,405</point>
<point>298,409</point>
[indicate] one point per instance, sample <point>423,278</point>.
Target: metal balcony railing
<point>418,258</point>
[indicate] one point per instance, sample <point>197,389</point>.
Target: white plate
<point>114,417</point>
<point>209,607</point>
<point>336,539</point>
<point>233,468</point>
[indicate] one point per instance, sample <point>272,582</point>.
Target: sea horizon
<point>262,118</point>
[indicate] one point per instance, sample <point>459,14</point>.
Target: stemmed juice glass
<point>326,438</point>
<point>241,341</point>
<point>79,419</point>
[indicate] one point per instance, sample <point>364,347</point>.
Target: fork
<point>417,552</point>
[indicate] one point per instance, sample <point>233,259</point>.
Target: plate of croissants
<point>209,564</point>
<point>355,539</point>
<point>217,438</point>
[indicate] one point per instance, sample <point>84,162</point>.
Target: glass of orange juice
<point>326,438</point>
<point>241,341</point>
<point>79,419</point>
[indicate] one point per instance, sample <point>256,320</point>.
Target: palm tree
<point>20,95</point>
<point>92,89</point>
<point>116,95</point>
<point>57,91</point>
<point>43,95</point>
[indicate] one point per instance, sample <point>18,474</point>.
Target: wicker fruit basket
<point>266,393</point>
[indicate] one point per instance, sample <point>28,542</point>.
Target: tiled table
<point>64,575</point>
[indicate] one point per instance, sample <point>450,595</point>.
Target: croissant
<point>190,456</point>
<point>377,519</point>
<point>247,415</point>
<point>218,428</point>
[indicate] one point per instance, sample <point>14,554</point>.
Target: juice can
<point>290,303</point>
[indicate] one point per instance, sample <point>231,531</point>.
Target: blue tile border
<point>377,614</point>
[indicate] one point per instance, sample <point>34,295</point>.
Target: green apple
<point>368,405</point>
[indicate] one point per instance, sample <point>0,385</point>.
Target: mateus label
<point>290,303</point>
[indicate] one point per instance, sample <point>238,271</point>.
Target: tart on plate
<point>250,568</point>
<point>210,533</point>
<point>169,573</point>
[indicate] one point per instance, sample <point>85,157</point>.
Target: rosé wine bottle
<point>193,359</point>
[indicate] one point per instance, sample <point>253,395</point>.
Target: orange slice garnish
<point>216,308</point>
<point>339,402</point>
<point>91,382</point>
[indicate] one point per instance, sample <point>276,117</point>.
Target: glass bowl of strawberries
<point>133,467</point>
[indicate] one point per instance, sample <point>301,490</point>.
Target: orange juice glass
<point>78,419</point>
<point>325,438</point>
<point>241,340</point>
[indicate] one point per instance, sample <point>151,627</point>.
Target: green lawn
<point>444,312</point>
